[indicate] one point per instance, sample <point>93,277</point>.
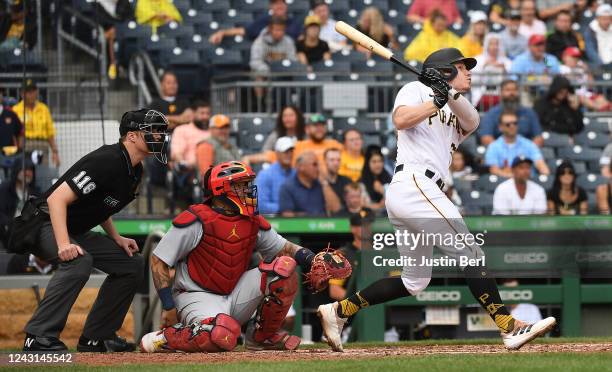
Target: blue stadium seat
<point>212,5</point>
<point>548,152</point>
<point>552,139</point>
<point>363,124</point>
<point>371,140</point>
<point>251,143</point>
<point>332,66</point>
<point>236,42</point>
<point>374,65</point>
<point>488,182</point>
<point>339,6</point>
<point>182,5</point>
<point>590,181</point>
<point>462,186</point>
<point>382,5</point>
<point>184,57</point>
<point>580,167</point>
<point>545,181</point>
<point>470,144</point>
<point>482,201</point>
<point>234,16</point>
<point>298,6</point>
<point>592,139</point>
<point>458,29</point>
<point>354,76</point>
<point>579,153</point>
<point>174,30</point>
<point>256,125</point>
<point>194,42</point>
<point>349,55</point>
<point>222,56</point>
<point>351,16</point>
<point>288,66</point>
<point>132,30</point>
<point>197,17</point>
<point>250,6</point>
<point>160,44</point>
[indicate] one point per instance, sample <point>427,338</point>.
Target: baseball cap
<point>316,119</point>
<point>365,215</point>
<point>604,10</point>
<point>478,16</point>
<point>312,19</point>
<point>284,144</point>
<point>30,85</point>
<point>572,52</point>
<point>537,39</point>
<point>520,160</point>
<point>219,121</point>
<point>515,14</point>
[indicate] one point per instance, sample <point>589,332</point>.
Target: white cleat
<point>153,342</point>
<point>525,332</point>
<point>332,325</point>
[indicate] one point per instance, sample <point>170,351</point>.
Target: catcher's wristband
<point>165,295</point>
<point>304,258</point>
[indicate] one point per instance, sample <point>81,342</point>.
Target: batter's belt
<point>428,173</point>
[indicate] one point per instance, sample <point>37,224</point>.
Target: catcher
<point>210,245</point>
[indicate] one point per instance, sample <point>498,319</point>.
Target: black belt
<point>428,173</point>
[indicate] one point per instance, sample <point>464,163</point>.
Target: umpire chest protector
<point>224,252</point>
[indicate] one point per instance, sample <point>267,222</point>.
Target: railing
<point>140,71</point>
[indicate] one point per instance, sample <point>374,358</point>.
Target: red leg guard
<point>279,295</point>
<point>210,335</point>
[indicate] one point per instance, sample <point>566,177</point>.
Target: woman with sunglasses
<point>565,197</point>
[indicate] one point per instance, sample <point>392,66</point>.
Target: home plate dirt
<point>326,354</point>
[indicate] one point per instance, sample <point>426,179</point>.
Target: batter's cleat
<point>281,340</point>
<point>115,344</point>
<point>153,342</point>
<point>35,344</point>
<point>332,325</point>
<point>525,332</point>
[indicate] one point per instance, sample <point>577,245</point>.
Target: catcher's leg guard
<point>279,285</point>
<point>210,335</point>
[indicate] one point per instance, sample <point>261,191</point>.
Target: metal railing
<point>141,70</point>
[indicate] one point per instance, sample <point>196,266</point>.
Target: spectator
<point>565,197</point>
<point>289,123</point>
<point>270,179</point>
<point>606,160</point>
<point>527,312</point>
<point>11,130</point>
<point>583,11</point>
<point>372,23</point>
<point>108,14</point>
<point>502,11</point>
<point>460,166</point>
<point>317,141</point>
<point>535,61</point>
<point>217,148</point>
<point>511,145</point>
<point>333,183</point>
<point>434,36</point>
<point>489,72</point>
<point>530,24</point>
<point>375,177</point>
<point>563,35</point>
<point>354,199</point>
<point>519,195</point>
<point>270,46</point>
<point>471,44</point>
<point>185,138</point>
<point>334,39</point>
<point>528,121</point>
<point>552,8</point>
<point>360,223</point>
<point>302,194</point>
<point>156,13</point>
<point>514,43</point>
<point>598,37</point>
<point>351,159</point>
<point>278,8</point>
<point>575,69</point>
<point>559,110</point>
<point>39,127</point>
<point>176,109</point>
<point>604,195</point>
<point>18,26</point>
<point>310,48</point>
<point>421,10</point>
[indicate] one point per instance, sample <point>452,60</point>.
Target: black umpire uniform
<point>104,182</point>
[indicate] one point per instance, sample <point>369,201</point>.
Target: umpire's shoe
<point>114,345</point>
<point>34,343</point>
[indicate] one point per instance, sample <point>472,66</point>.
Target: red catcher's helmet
<point>220,181</point>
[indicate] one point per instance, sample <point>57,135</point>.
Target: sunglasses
<point>509,123</point>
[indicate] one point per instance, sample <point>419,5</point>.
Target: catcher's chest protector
<point>224,252</point>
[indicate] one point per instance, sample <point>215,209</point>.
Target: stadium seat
<point>488,182</point>
<point>349,55</point>
<point>182,5</point>
<point>462,186</point>
<point>174,30</point>
<point>197,17</point>
<point>212,5</point>
<point>194,42</point>
<point>579,153</point>
<point>237,42</point>
<point>351,16</point>
<point>364,125</point>
<point>354,76</point>
<point>360,5</point>
<point>45,176</point>
<point>374,66</point>
<point>483,201</point>
<point>160,44</point>
<point>251,6</point>
<point>408,30</point>
<point>288,67</point>
<point>221,56</point>
<point>552,139</point>
<point>256,125</point>
<point>182,57</point>
<point>469,145</point>
<point>233,16</point>
<point>592,139</point>
<point>298,6</point>
<point>545,181</point>
<point>592,200</point>
<point>590,181</point>
<point>313,76</point>
<point>332,67</point>
<point>252,142</point>
<point>339,6</point>
<point>548,152</point>
<point>371,139</point>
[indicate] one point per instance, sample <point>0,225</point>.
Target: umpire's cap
<point>443,60</point>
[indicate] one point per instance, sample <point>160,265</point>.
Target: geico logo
<point>516,295</point>
<point>605,256</point>
<point>531,257</point>
<point>439,296</point>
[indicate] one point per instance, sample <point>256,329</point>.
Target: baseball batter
<point>430,127</point>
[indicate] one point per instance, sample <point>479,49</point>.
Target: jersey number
<point>83,183</point>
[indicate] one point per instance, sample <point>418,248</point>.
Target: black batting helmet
<point>444,59</point>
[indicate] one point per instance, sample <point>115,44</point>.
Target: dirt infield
<point>326,354</point>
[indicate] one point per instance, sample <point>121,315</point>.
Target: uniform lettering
<point>431,117</point>
<point>83,182</point>
<point>78,177</point>
<point>89,188</point>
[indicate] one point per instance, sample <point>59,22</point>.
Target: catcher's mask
<point>233,183</point>
<point>444,59</point>
<point>154,125</point>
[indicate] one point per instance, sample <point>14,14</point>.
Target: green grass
<point>499,362</point>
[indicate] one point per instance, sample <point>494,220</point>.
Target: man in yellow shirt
<point>317,141</point>
<point>351,158</point>
<point>39,127</point>
<point>435,35</point>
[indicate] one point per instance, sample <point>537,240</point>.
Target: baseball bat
<point>367,42</point>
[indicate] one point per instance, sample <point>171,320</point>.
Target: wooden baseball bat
<point>368,43</point>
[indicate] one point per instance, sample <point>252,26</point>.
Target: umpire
<point>88,194</point>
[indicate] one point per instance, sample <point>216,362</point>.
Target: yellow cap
<point>312,20</point>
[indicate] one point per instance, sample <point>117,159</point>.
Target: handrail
<point>139,69</point>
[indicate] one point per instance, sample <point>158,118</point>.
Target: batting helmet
<point>154,125</point>
<point>444,59</point>
<point>221,181</point>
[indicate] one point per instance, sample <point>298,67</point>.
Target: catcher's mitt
<point>326,265</point>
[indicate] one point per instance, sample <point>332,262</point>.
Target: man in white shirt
<point>519,195</point>
<point>335,40</point>
<point>530,24</point>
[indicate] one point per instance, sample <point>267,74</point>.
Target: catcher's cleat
<point>525,332</point>
<point>154,342</point>
<point>281,340</point>
<point>332,325</point>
